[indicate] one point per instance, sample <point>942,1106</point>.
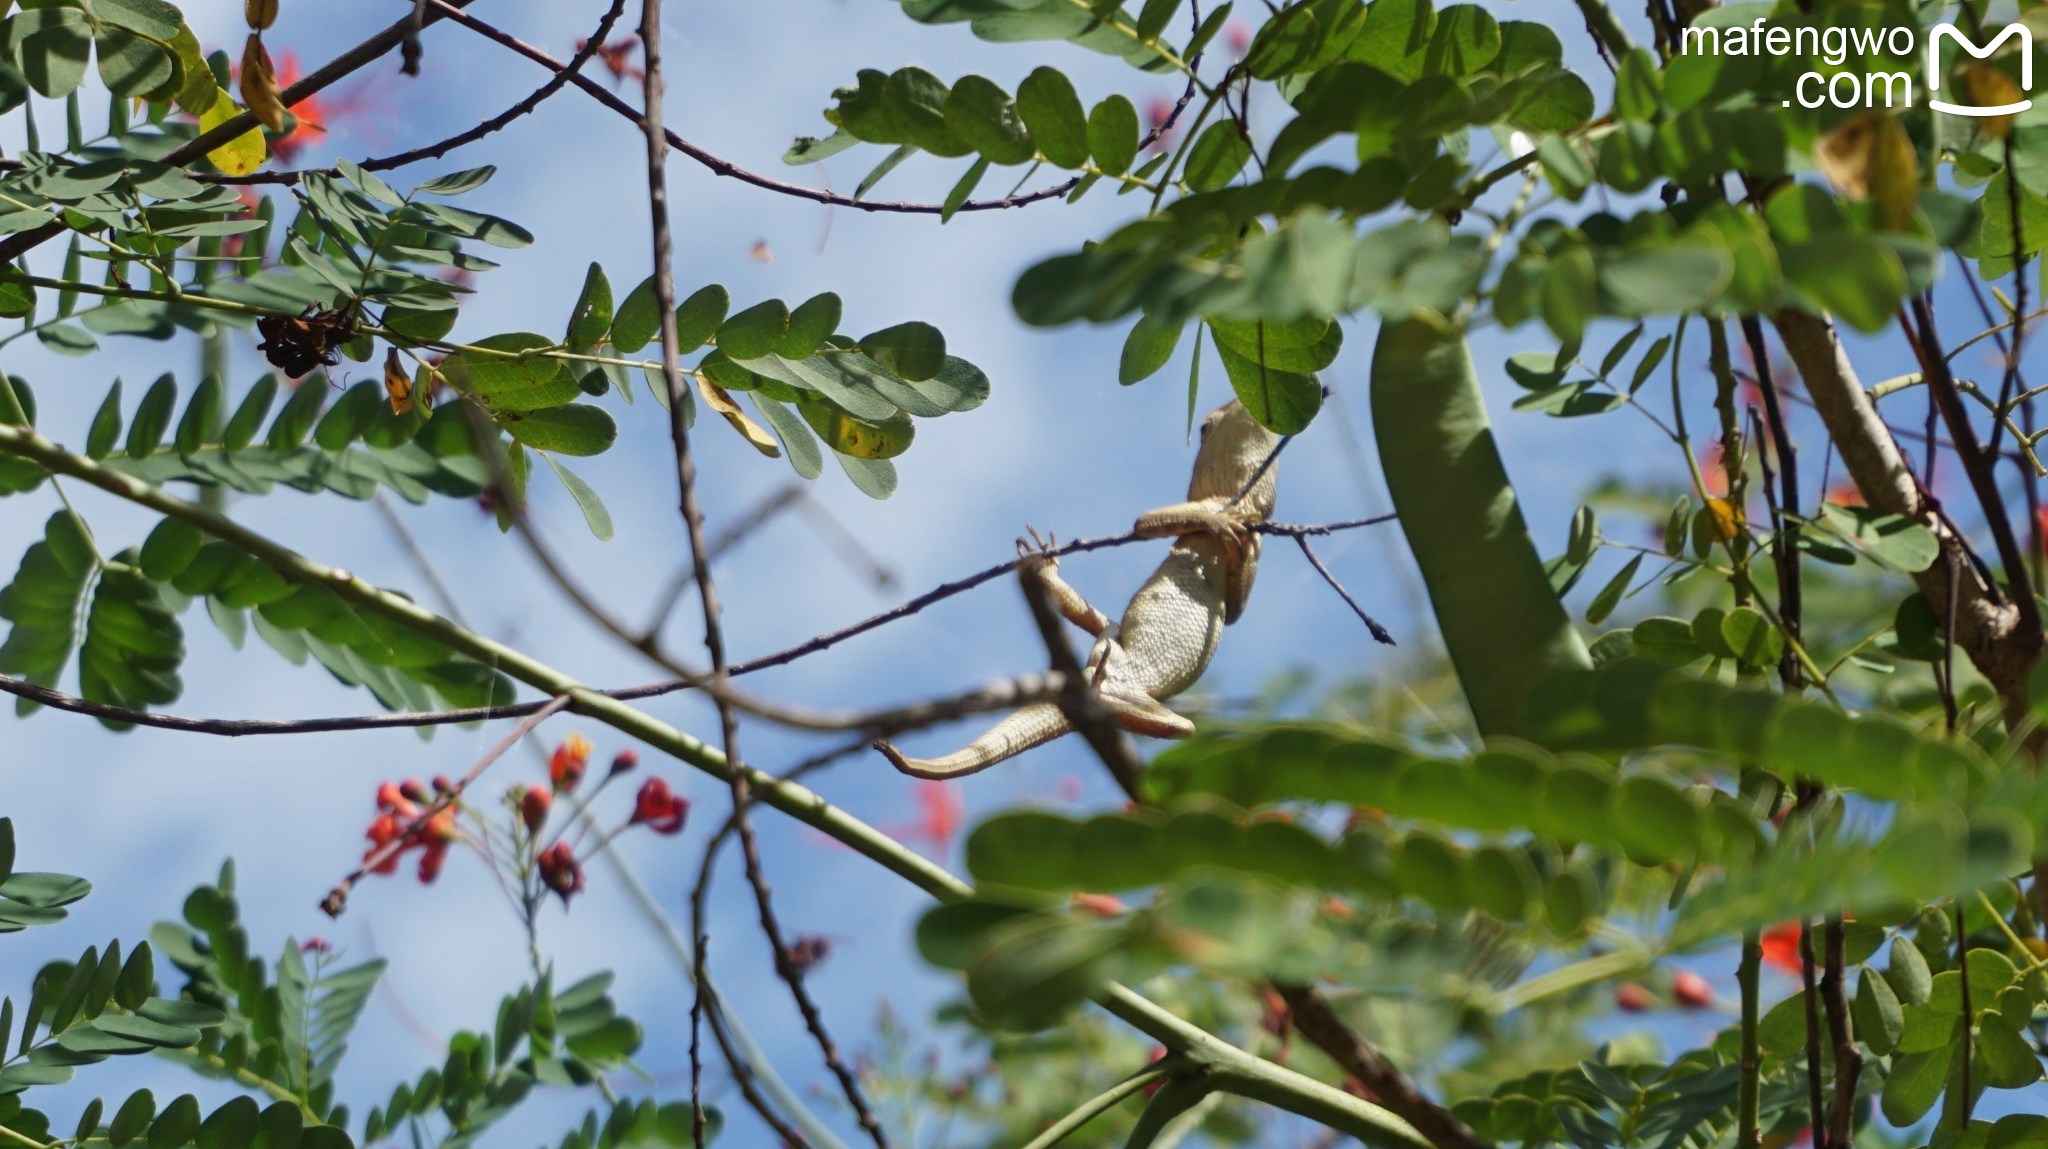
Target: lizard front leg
<point>1036,563</point>
<point>1214,516</point>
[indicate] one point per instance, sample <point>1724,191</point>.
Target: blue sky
<point>1059,445</point>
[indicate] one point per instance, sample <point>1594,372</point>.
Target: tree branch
<point>1988,628</point>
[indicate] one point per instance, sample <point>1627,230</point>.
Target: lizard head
<point>1234,447</point>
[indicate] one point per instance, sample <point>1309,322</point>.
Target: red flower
<point>315,945</point>
<point>1780,944</point>
<point>399,822</point>
<point>943,812</point>
<point>1631,998</point>
<point>1238,35</point>
<point>566,766</point>
<point>659,808</point>
<point>626,761</point>
<point>560,871</point>
<point>533,807</point>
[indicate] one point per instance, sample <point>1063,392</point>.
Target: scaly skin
<point>1170,630</point>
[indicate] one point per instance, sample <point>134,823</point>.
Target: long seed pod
<point>1501,621</point>
<point>259,85</point>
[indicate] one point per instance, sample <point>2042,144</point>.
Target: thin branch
<point>723,167</point>
<point>468,136</point>
<point>1817,1114</point>
<point>337,898</point>
<point>1379,633</point>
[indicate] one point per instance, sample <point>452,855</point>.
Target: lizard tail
<point>1035,725</point>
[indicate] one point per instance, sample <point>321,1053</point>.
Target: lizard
<point>1173,624</point>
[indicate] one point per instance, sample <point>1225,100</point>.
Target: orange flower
<point>565,768</point>
<point>398,821</point>
<point>533,807</point>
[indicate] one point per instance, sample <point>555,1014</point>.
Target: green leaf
<point>700,316</point>
<point>594,513</point>
<point>1283,402</point>
<point>813,320</point>
<point>889,164</point>
<point>133,1118</point>
<point>475,225</point>
<point>969,180</point>
<point>592,315</point>
<point>513,384</point>
<point>106,425</point>
<point>152,417</point>
<point>169,549</point>
<point>1603,604</point>
<point>176,1125</point>
<point>1914,1084</point>
<point>202,412</point>
<point>1218,154</point>
<point>572,429</point>
<point>638,319</point>
<point>300,411</point>
<point>983,115</point>
<point>1051,110</point>
<point>455,183</point>
<point>1858,278</point>
<point>249,414</point>
<point>43,603</point>
<point>1113,135</point>
<point>756,331</point>
<point>799,445</point>
<point>1147,348</point>
<point>17,299</point>
<point>916,351</point>
<point>134,65</point>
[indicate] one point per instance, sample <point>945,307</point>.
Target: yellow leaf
<point>1990,88</point>
<point>720,401</point>
<point>856,437</point>
<point>241,155</point>
<point>1870,157</point>
<point>1727,518</point>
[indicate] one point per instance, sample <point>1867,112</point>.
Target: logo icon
<point>2026,37</point>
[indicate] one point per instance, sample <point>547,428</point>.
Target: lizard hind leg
<point>1143,714</point>
<point>1034,725</point>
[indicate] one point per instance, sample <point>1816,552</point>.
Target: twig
<point>245,727</point>
<point>1749,1066</point>
<point>337,898</point>
<point>1379,633</point>
<point>1786,550</point>
<point>463,138</point>
<point>723,167</point>
<point>707,589</point>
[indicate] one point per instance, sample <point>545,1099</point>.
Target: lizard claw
<point>1035,553</point>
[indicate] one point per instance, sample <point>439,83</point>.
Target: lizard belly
<point>1173,624</point>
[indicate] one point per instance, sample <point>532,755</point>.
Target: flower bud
<point>533,807</point>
